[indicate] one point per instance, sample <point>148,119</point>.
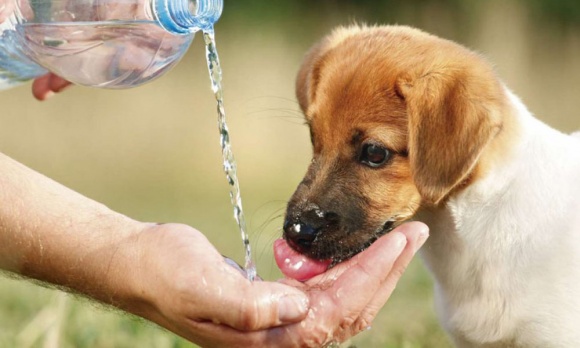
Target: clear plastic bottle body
<point>101,43</point>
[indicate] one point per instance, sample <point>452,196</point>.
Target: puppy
<point>407,125</point>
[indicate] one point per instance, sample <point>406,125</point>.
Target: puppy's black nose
<point>301,229</point>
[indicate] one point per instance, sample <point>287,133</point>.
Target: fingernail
<point>48,95</point>
<point>422,237</point>
<point>292,308</point>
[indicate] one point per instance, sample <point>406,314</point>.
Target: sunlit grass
<point>28,315</point>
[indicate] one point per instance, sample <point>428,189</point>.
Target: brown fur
<point>434,104</point>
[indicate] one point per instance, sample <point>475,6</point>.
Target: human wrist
<point>118,270</point>
<point>95,262</point>
<point>129,285</point>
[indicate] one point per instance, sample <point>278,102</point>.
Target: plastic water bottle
<point>99,43</point>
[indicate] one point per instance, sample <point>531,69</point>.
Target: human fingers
<point>379,251</point>
<point>338,298</point>
<point>366,273</point>
<point>345,299</point>
<point>40,88</point>
<point>251,306</point>
<point>366,277</point>
<point>194,282</point>
<point>57,83</point>
<point>209,334</point>
<point>416,234</point>
<point>184,284</point>
<point>216,334</point>
<point>47,85</point>
<point>358,312</point>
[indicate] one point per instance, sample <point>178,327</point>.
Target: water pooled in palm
<point>215,72</point>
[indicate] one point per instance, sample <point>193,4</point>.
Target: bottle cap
<point>187,16</point>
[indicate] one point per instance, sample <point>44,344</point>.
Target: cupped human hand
<point>181,282</point>
<point>47,85</point>
<point>345,299</point>
<point>184,285</point>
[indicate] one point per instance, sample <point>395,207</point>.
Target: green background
<point>153,152</point>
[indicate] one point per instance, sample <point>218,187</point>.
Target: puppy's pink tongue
<point>295,265</point>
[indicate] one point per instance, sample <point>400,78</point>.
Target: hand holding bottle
<point>107,44</point>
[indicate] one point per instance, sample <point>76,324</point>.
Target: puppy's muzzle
<point>302,227</point>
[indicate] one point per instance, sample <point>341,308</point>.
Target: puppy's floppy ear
<point>452,116</point>
<point>309,75</point>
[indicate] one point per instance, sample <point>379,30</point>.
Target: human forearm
<point>51,233</point>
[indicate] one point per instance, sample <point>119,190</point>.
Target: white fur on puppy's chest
<point>505,251</point>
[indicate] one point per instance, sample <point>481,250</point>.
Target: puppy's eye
<point>374,155</point>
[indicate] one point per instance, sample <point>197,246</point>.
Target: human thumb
<point>259,305</point>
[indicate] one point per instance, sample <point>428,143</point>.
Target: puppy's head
<point>398,119</point>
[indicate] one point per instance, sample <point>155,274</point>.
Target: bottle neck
<point>187,16</point>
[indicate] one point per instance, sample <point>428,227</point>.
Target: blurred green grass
<point>152,153</point>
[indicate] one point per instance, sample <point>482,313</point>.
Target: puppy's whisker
<point>266,249</point>
<point>263,230</point>
<point>274,97</point>
<point>287,110</point>
<point>278,113</point>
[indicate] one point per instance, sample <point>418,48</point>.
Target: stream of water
<point>215,72</point>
